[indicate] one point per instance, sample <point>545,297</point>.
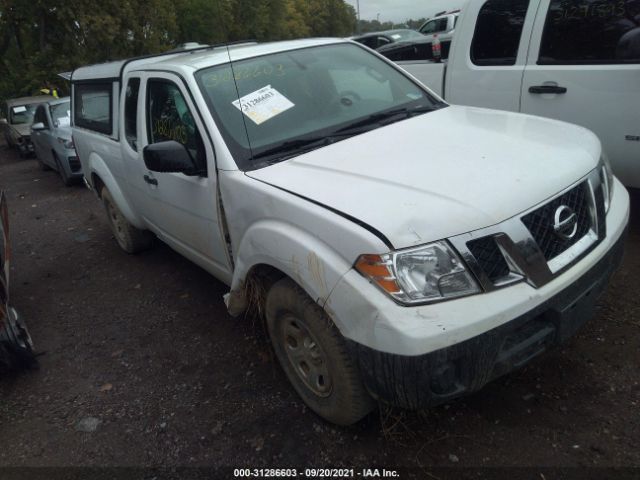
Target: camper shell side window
<point>93,106</point>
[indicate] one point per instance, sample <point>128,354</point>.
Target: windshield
<point>60,114</point>
<point>22,114</point>
<point>298,100</point>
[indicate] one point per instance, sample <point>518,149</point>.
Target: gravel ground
<point>142,366</point>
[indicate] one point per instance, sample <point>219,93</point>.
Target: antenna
<point>244,120</point>
<point>235,83</point>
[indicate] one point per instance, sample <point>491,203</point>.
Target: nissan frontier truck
<point>402,250</point>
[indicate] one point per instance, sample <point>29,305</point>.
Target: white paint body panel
<point>429,73</point>
<point>449,172</point>
<point>602,98</point>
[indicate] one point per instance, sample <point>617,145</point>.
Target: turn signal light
<point>378,270</point>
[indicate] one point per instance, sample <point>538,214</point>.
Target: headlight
<point>606,175</point>
<point>68,144</point>
<point>420,275</point>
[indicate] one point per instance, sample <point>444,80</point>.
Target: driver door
<point>183,210</point>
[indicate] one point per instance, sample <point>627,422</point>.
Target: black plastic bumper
<point>431,379</point>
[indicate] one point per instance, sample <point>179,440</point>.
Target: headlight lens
<point>420,275</point>
<point>607,182</point>
<point>68,144</point>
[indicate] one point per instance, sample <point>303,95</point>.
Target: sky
<point>398,11</point>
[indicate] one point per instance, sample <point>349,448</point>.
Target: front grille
<point>489,257</point>
<point>540,222</point>
<point>74,164</point>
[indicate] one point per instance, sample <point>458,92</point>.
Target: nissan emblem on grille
<point>565,222</point>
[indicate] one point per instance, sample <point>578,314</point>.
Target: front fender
<point>99,168</point>
<point>311,263</point>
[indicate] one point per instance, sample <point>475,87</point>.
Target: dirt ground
<point>142,366</point>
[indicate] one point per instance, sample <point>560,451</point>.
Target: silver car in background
<point>17,117</point>
<point>51,138</point>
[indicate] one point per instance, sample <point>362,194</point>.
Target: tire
<point>66,179</point>
<point>130,239</point>
<point>43,166</point>
<point>16,347</point>
<point>314,355</point>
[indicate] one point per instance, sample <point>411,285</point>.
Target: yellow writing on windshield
<point>244,73</point>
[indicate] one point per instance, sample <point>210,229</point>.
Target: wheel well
<point>97,184</point>
<point>256,284</point>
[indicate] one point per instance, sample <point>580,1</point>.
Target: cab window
<point>591,32</point>
<point>434,26</point>
<point>498,30</point>
<point>169,118</point>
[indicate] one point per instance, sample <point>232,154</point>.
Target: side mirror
<point>38,126</point>
<point>170,156</point>
<point>3,121</point>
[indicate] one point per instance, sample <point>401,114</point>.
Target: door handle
<point>547,89</point>
<point>150,181</point>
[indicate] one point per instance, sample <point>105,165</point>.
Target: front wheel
<point>314,356</point>
<point>130,239</point>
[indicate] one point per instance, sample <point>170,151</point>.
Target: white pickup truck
<point>577,61</point>
<point>401,249</point>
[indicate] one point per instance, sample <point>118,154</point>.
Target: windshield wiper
<point>299,145</point>
<point>306,144</point>
<point>378,118</point>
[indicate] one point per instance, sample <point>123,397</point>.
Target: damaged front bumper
<point>421,356</point>
<point>422,381</point>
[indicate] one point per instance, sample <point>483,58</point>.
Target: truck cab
<point>442,24</point>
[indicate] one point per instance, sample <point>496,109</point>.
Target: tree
<point>39,39</point>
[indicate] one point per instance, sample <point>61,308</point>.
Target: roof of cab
<point>196,58</point>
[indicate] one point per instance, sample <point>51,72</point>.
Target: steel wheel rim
<point>116,220</point>
<point>306,356</point>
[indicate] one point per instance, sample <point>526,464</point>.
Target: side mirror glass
<point>170,156</point>
<point>38,126</point>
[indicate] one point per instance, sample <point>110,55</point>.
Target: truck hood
<point>441,174</point>
<point>22,129</point>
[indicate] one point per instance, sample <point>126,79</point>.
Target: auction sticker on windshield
<point>263,104</point>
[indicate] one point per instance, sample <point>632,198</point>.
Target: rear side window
<point>92,107</point>
<point>498,30</point>
<point>435,26</point>
<point>591,32</point>
<point>131,112</point>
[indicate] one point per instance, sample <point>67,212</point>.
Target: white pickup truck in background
<point>442,25</point>
<point>577,61</point>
